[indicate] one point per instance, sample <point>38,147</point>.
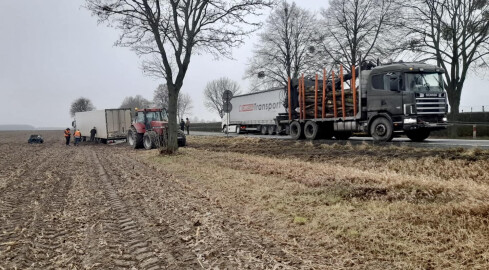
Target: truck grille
<point>433,104</point>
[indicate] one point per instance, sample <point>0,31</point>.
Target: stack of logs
<point>310,99</point>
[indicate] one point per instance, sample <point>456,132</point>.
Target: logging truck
<point>382,102</point>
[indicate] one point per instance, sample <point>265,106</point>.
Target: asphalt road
<point>430,143</point>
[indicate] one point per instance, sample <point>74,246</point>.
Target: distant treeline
<point>16,127</point>
<point>462,125</point>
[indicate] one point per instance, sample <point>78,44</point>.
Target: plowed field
<point>241,203</point>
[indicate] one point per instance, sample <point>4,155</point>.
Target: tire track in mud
<point>201,233</point>
<point>18,203</point>
<point>172,233</point>
<point>48,233</point>
<point>137,248</point>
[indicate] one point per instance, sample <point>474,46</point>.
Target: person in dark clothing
<point>182,125</point>
<point>92,134</point>
<point>67,136</point>
<point>187,124</point>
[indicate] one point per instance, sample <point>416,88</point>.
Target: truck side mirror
<point>393,82</point>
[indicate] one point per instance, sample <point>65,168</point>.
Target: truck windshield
<point>424,82</point>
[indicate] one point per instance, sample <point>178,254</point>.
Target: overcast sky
<point>53,51</point>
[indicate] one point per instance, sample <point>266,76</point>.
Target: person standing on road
<point>92,134</point>
<point>77,136</point>
<point>187,124</point>
<point>67,136</point>
<point>182,125</point>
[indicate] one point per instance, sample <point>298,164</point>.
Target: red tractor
<point>149,129</point>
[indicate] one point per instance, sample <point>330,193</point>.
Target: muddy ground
<point>110,207</point>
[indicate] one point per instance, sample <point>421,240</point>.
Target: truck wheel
<point>134,139</point>
<point>264,130</point>
<point>382,130</point>
<point>148,141</point>
<point>311,130</point>
<point>418,135</point>
<point>296,132</point>
<point>342,135</point>
<point>271,130</point>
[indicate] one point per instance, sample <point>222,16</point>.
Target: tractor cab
<point>151,118</point>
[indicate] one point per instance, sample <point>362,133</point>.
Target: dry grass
<point>349,206</point>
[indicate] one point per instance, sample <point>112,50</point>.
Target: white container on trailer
<point>255,111</point>
<point>111,124</point>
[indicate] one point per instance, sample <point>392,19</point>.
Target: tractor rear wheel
<point>134,139</point>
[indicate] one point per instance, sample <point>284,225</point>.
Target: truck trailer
<point>382,102</point>
<point>111,124</point>
<point>255,112</point>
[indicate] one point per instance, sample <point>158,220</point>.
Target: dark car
<point>35,139</point>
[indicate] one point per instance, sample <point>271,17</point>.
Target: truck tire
<point>418,135</point>
<point>134,139</point>
<point>382,130</point>
<point>148,141</point>
<point>271,130</point>
<point>296,131</point>
<point>311,130</point>
<point>263,130</point>
<point>342,135</point>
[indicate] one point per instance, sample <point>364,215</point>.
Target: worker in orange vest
<point>77,136</point>
<point>67,136</point>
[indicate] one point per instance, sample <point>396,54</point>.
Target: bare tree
<point>213,93</point>
<point>454,34</point>
<point>81,105</point>
<point>184,105</point>
<point>171,31</point>
<point>137,101</point>
<point>160,96</point>
<point>351,27</point>
<point>282,51</point>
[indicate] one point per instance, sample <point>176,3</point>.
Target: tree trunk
<point>172,145</point>
<point>454,94</point>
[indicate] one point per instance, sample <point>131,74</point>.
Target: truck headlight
<point>444,119</point>
<point>410,121</point>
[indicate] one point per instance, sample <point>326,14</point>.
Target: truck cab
<point>408,98</point>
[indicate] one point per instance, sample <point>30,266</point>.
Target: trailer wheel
<point>311,130</point>
<point>263,130</point>
<point>418,135</point>
<point>296,132</point>
<point>382,130</point>
<point>342,135</point>
<point>272,130</point>
<point>134,139</point>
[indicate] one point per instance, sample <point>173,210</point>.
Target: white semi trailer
<point>111,124</point>
<point>255,112</point>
